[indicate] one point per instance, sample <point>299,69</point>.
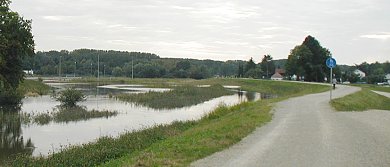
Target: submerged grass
<point>361,101</point>
<point>65,115</point>
<point>180,143</point>
<point>178,97</point>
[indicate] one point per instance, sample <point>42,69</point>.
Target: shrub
<point>70,97</point>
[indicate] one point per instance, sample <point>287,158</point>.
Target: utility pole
<point>91,69</point>
<point>98,68</point>
<point>132,69</point>
<point>104,70</point>
<point>75,65</point>
<point>97,86</point>
<point>59,70</point>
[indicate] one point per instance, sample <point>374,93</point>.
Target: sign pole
<point>331,80</point>
<point>331,63</point>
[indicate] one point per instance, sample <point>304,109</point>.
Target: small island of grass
<point>179,97</point>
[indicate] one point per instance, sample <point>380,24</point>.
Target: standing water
<point>43,139</point>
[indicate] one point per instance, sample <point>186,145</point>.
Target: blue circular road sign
<point>331,62</point>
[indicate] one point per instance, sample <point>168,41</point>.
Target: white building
<point>28,72</point>
<point>387,77</point>
<point>359,73</point>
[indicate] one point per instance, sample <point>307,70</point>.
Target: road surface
<point>305,131</point>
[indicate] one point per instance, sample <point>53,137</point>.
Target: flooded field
<point>43,139</point>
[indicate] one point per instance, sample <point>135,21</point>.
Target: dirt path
<point>305,131</point>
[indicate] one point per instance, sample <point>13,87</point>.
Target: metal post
<point>331,83</point>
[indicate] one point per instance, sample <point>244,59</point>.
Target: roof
<point>276,75</point>
<point>280,71</point>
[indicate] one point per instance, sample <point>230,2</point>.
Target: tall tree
<point>317,63</point>
<point>297,60</point>
<point>308,60</point>
<point>249,65</point>
<point>267,65</point>
<point>16,42</point>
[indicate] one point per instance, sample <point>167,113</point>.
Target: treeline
<point>84,62</point>
<point>307,62</point>
<point>375,72</point>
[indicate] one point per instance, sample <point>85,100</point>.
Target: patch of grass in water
<point>65,115</point>
<point>34,88</point>
<point>178,97</point>
<point>361,101</point>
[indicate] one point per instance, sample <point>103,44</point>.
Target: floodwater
<point>17,137</point>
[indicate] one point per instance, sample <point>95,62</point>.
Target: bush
<point>70,97</point>
<point>10,97</point>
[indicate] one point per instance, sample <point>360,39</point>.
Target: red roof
<point>280,71</point>
<point>276,75</point>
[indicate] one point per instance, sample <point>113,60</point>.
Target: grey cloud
<point>213,29</point>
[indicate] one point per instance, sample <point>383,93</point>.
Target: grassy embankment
<point>363,100</point>
<point>33,88</point>
<point>374,87</point>
<point>181,143</point>
<point>178,97</point>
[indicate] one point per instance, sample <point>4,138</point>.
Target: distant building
<point>359,73</point>
<point>294,77</point>
<point>280,71</point>
<point>387,77</point>
<point>277,76</point>
<point>28,72</point>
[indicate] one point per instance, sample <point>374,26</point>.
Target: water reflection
<point>11,135</point>
<point>49,138</point>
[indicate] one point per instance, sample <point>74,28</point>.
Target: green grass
<point>65,115</point>
<point>253,85</point>
<point>374,87</point>
<point>34,88</point>
<point>215,132</point>
<point>106,148</point>
<point>180,143</point>
<point>181,96</point>
<point>361,101</point>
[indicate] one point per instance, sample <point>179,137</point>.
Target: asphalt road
<point>305,131</point>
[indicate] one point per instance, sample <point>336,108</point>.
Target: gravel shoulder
<point>383,93</point>
<point>305,131</point>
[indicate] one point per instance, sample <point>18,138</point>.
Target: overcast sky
<point>353,30</point>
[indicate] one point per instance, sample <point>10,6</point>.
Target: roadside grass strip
<point>361,101</point>
<point>214,132</point>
